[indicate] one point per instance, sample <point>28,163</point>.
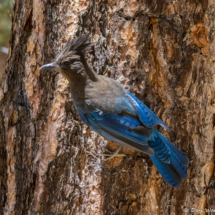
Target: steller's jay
<point>113,112</point>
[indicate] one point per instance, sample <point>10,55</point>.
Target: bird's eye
<point>66,63</point>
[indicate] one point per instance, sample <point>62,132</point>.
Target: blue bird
<point>113,112</point>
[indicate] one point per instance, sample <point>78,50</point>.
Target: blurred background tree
<point>5,27</point>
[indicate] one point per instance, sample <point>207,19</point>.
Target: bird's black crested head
<point>72,54</point>
<point>71,59</point>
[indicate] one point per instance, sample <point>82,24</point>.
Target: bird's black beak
<point>49,66</point>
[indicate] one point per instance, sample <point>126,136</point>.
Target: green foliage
<point>6,8</point>
<point>5,21</point>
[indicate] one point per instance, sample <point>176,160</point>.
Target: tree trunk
<point>160,50</point>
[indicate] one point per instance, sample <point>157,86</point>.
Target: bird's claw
<point>112,155</point>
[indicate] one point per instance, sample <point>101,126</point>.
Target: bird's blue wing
<point>146,116</point>
<point>117,129</point>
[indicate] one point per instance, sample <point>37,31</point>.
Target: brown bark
<point>162,51</point>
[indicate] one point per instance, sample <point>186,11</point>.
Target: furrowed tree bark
<point>161,51</point>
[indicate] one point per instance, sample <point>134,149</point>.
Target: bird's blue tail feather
<point>167,172</point>
<point>181,155</point>
<point>168,159</point>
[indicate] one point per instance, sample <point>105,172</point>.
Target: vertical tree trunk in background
<point>162,51</point>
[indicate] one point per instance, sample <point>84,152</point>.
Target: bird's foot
<point>113,154</point>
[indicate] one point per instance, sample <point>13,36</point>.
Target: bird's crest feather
<point>79,46</point>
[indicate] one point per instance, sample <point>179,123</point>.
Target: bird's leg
<point>113,154</point>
